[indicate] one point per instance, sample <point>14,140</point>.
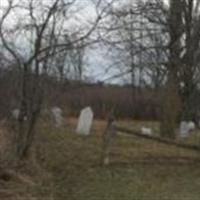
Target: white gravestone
<point>146,131</point>
<point>191,125</point>
<point>57,114</point>
<point>85,121</point>
<point>184,129</point>
<point>15,113</point>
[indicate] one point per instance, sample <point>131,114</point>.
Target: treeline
<point>72,96</point>
<point>104,99</point>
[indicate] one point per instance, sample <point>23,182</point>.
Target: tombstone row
<point>186,127</point>
<point>84,122</point>
<point>55,111</point>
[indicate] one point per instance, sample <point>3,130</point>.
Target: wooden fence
<point>112,129</point>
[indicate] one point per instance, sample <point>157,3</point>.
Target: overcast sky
<point>97,60</point>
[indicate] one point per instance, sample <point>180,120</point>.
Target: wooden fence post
<point>108,136</point>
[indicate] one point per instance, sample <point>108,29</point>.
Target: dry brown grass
<point>139,169</point>
<point>25,181</point>
<point>6,147</point>
<point>69,167</point>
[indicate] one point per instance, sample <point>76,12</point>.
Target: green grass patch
<point>139,169</point>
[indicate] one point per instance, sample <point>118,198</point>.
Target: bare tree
<point>162,42</point>
<point>34,47</point>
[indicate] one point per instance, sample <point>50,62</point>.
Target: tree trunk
<point>30,106</point>
<point>170,109</point>
<point>171,97</point>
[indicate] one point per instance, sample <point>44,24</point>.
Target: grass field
<point>139,169</point>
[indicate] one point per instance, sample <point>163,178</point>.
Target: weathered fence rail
<point>157,138</point>
<point>112,129</point>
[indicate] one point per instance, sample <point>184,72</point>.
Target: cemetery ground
<point>70,168</point>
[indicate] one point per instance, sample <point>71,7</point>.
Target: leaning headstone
<point>15,113</point>
<point>57,115</point>
<point>85,121</point>
<point>184,129</point>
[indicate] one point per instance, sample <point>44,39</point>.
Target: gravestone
<point>85,121</point>
<point>191,125</point>
<point>15,113</point>
<point>146,131</point>
<point>57,115</point>
<point>184,129</point>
